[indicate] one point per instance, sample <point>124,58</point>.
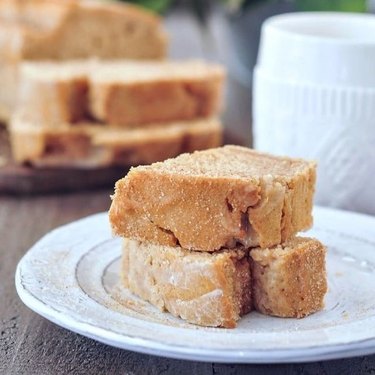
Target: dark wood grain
<point>22,180</point>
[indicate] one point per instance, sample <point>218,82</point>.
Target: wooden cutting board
<point>15,179</point>
<point>23,180</point>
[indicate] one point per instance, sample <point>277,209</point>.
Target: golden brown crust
<point>204,289</point>
<point>289,280</point>
<point>190,212</point>
<point>93,145</point>
<point>187,204</point>
<point>105,30</point>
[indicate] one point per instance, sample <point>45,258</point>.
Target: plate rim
<point>154,347</point>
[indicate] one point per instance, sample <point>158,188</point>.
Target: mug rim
<point>312,84</point>
<point>295,25</point>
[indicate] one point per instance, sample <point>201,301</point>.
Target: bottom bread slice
<point>95,145</point>
<point>201,288</point>
<point>216,289</point>
<point>289,280</point>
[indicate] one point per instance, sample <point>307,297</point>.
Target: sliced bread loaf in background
<point>123,93</point>
<point>72,29</point>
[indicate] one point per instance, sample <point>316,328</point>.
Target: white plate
<point>71,278</point>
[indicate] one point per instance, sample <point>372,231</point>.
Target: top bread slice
<point>215,199</point>
<point>122,93</point>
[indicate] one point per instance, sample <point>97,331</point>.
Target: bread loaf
<point>93,145</point>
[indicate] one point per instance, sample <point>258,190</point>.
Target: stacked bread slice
<point>211,235</point>
<point>102,113</point>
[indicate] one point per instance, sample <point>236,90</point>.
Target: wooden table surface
<point>29,344</point>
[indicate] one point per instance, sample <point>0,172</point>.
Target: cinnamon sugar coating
<point>289,280</point>
<point>215,199</point>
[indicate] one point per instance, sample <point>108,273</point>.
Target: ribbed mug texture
<point>334,125</point>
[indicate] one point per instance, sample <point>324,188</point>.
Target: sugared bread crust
<point>215,199</point>
<point>205,289</point>
<point>289,280</point>
<point>216,289</point>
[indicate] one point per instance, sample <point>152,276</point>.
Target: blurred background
<point>228,31</point>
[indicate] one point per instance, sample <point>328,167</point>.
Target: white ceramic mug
<point>314,97</point>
